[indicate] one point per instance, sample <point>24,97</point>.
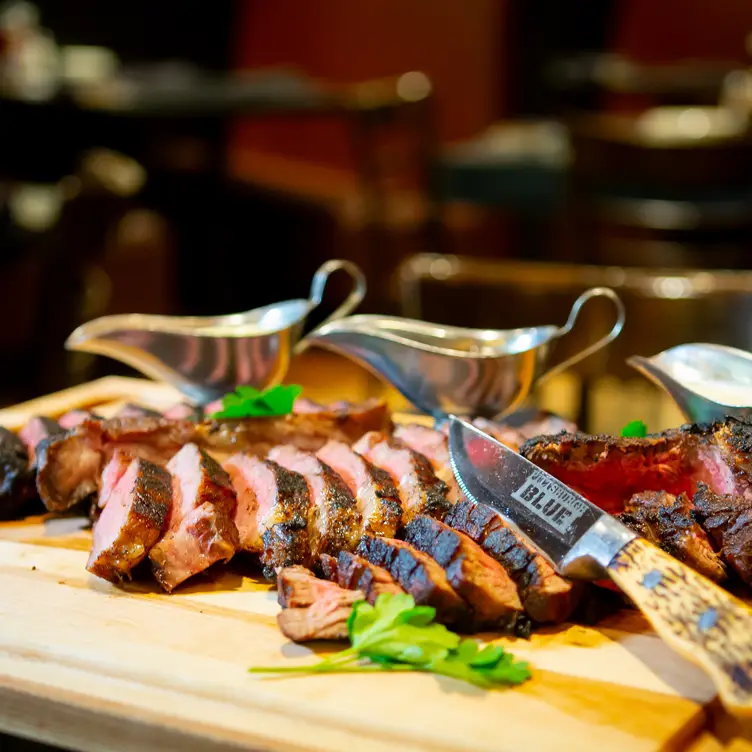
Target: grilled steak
<point>434,446</point>
<point>73,418</point>
<point>728,519</point>
<point>272,512</point>
<point>353,572</point>
<point>132,520</point>
<point>131,410</point>
<point>113,471</point>
<point>35,431</point>
<point>200,526</point>
<point>667,521</point>
<point>374,491</point>
<point>417,574</point>
<point>481,581</point>
<point>183,411</point>
<point>420,490</point>
<point>546,597</point>
<point>334,521</point>
<point>313,609</point>
<point>16,477</point>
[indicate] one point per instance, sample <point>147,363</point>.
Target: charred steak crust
<point>353,572</point>
<point>546,597</point>
<point>16,478</point>
<point>418,574</point>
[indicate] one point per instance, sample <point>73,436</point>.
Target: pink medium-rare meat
<point>131,522</point>
<point>373,488</point>
<point>132,410</point>
<point>353,572</point>
<point>73,418</point>
<point>420,491</point>
<point>113,471</point>
<point>334,522</point>
<point>272,512</point>
<point>200,527</point>
<point>37,430</point>
<point>183,411</point>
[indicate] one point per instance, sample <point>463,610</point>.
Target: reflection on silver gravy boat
<point>206,357</point>
<point>707,382</point>
<point>447,369</point>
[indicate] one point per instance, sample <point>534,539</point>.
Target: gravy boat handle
<point>348,305</point>
<point>593,292</point>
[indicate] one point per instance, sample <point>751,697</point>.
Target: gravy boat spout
<point>453,370</point>
<point>207,357</point>
<point>707,382</point>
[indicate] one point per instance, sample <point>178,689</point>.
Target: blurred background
<point>484,162</point>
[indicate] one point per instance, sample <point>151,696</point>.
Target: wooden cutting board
<point>90,666</point>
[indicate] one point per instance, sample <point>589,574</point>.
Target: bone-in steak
<point>272,512</point>
<point>373,488</point>
<point>200,526</point>
<point>417,574</point>
<point>419,489</point>
<point>353,572</point>
<point>480,580</point>
<point>546,597</point>
<point>131,522</point>
<point>668,521</point>
<point>334,519</point>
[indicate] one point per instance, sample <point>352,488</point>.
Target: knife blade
<point>696,618</point>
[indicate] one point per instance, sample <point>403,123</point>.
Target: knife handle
<point>697,619</point>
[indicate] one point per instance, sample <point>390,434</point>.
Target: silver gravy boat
<point>206,357</point>
<point>452,370</point>
<point>707,382</point>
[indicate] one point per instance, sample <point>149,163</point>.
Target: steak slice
<point>417,574</point>
<point>73,418</point>
<point>313,609</point>
<point>131,522</point>
<point>546,596</point>
<point>353,572</point>
<point>132,410</point>
<point>420,490</point>
<point>728,519</point>
<point>482,582</point>
<point>183,411</point>
<point>372,487</point>
<point>668,522</point>
<point>434,446</point>
<point>16,477</point>
<point>272,512</point>
<point>334,521</point>
<point>200,526</point>
<point>35,431</point>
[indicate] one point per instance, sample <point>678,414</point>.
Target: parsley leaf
<point>248,402</point>
<point>635,428</point>
<point>396,635</point>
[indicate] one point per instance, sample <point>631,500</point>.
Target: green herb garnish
<point>247,402</point>
<point>635,428</point>
<point>397,635</point>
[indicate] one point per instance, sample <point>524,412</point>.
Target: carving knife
<point>696,618</point>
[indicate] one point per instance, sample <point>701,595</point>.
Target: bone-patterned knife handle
<point>695,617</point>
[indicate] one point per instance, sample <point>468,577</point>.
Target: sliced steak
<point>73,418</point>
<point>184,411</point>
<point>131,522</point>
<point>546,596</point>
<point>421,492</point>
<point>313,609</point>
<point>113,471</point>
<point>434,446</point>
<point>334,522</point>
<point>200,526</point>
<point>373,488</point>
<point>16,477</point>
<point>728,519</point>
<point>668,521</point>
<point>35,431</point>
<point>272,512</point>
<point>480,580</point>
<point>132,410</point>
<point>353,572</point>
<point>417,574</point>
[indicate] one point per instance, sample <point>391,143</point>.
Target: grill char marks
<point>478,579</point>
<point>667,521</point>
<point>16,477</point>
<point>546,596</point>
<point>420,490</point>
<point>201,530</point>
<point>334,521</point>
<point>418,574</point>
<point>353,572</point>
<point>131,522</point>
<point>728,519</point>
<point>374,491</point>
<point>272,512</point>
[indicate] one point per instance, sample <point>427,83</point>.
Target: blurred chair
<point>665,307</point>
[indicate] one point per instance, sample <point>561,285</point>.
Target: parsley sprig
<point>247,402</point>
<point>396,635</point>
<point>635,429</point>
